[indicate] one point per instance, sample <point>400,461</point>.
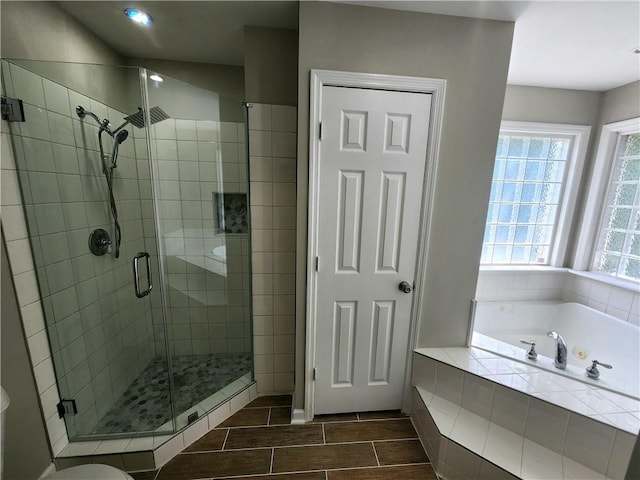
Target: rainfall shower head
<point>156,114</point>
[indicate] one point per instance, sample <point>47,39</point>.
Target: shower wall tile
<point>273,243</point>
<point>27,86</point>
<point>48,158</point>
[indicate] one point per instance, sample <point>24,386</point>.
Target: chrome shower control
<point>99,242</point>
<point>593,372</point>
<point>531,353</point>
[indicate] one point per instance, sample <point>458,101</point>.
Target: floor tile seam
<point>239,427</point>
<point>273,450</point>
<point>365,420</point>
<point>267,475</point>
<point>373,445</point>
<point>367,467</point>
<point>398,439</point>
<point>324,437</point>
<point>265,406</point>
<point>264,447</point>
<point>373,440</point>
<point>228,450</point>
<point>365,442</point>
<point>224,443</point>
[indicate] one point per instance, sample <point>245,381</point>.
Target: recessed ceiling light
<point>138,16</point>
<point>155,77</point>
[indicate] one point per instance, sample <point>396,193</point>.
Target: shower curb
<point>125,455</point>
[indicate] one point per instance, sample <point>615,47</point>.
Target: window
<point>535,178</point>
<point>617,251</point>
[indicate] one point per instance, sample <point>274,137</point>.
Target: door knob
<point>404,287</point>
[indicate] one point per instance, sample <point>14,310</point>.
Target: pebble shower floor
<point>145,405</point>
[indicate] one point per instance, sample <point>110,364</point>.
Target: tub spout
<point>561,350</point>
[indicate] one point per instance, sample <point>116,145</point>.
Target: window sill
<point>523,268</point>
<point>607,279</point>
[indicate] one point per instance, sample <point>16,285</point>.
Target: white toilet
<point>81,472</point>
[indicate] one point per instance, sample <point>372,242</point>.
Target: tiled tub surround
<point>547,283</point>
<point>589,335</point>
<point>272,153</point>
<point>474,410</point>
<point>100,335</point>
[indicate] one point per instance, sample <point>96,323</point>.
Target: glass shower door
<point>199,169</point>
<point>86,191</point>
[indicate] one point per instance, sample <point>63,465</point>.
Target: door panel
<point>372,162</point>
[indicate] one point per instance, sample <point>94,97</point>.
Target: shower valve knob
<point>99,242</point>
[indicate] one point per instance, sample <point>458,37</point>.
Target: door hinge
<point>317,262</point>
<point>67,408</point>
<point>11,109</point>
<point>320,130</point>
<point>314,373</point>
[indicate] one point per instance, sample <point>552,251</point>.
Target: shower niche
<point>167,183</point>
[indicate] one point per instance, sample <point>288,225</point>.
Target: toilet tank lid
<point>4,400</point>
<point>93,472</point>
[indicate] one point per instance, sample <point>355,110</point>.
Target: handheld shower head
<point>121,136</point>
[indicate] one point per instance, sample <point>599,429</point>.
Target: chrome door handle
<point>136,277</point>
<point>404,287</point>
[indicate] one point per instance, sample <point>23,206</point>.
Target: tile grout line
<point>273,452</point>
<point>269,417</point>
<point>324,438</point>
<point>373,445</point>
<point>264,447</point>
<point>224,444</point>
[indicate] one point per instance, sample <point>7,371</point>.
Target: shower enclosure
<point>135,194</point>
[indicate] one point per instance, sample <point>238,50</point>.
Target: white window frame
<point>595,200</point>
<point>574,168</point>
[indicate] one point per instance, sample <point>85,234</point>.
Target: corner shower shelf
<point>494,444</point>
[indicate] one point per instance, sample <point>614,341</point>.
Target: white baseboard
<point>297,416</point>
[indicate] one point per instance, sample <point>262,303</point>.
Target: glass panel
<point>525,194</point>
<point>200,185</point>
<point>107,344</point>
<point>618,252</point>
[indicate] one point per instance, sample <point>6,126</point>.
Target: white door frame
<point>319,79</point>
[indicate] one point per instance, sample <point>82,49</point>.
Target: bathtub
<point>589,334</point>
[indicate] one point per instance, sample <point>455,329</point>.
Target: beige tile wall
<point>272,176</point>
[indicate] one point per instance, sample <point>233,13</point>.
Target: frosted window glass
<point>618,248</point>
<point>528,182</point>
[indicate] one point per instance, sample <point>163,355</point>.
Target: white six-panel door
<point>372,163</point>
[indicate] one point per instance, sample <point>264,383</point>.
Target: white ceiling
<point>563,44</point>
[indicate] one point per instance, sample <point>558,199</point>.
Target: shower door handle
<point>136,276</point>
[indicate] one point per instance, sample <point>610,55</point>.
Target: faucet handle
<point>605,365</point>
<point>531,354</point>
<point>593,372</point>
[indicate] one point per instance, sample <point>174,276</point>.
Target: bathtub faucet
<point>561,350</point>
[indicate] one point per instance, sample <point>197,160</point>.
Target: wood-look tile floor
<point>259,443</point>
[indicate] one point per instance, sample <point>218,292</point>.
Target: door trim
<point>320,79</point>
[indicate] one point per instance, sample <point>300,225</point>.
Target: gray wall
<point>43,31</point>
<point>551,105</point>
<point>24,436</point>
<point>473,56</point>
<point>270,63</point>
<point>621,103</point>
